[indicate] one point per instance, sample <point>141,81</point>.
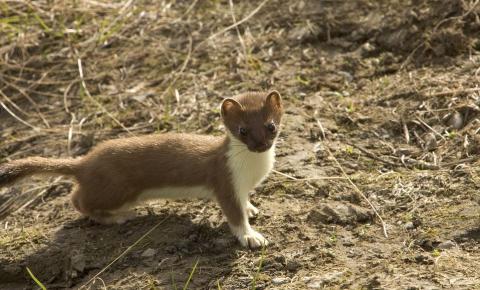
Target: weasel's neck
<point>248,169</point>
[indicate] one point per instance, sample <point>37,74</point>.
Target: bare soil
<point>389,89</point>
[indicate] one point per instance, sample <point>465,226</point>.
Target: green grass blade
<point>191,275</point>
<point>262,257</point>
<point>36,280</point>
<point>174,284</point>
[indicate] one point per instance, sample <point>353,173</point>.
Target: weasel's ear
<point>274,100</point>
<point>230,107</point>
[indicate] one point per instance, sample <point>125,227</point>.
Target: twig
<point>13,104</point>
<point>405,132</point>
<point>371,155</point>
<point>18,118</point>
<point>321,128</point>
<point>428,126</point>
<point>100,106</point>
<point>255,11</point>
<point>456,17</point>
<point>284,174</point>
<point>384,225</point>
<point>310,179</point>
<point>242,43</point>
<point>124,252</point>
<point>180,71</point>
<point>454,92</point>
<point>42,192</point>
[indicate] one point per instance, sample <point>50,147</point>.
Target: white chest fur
<point>248,168</point>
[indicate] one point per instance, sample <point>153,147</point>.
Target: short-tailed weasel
<point>118,174</point>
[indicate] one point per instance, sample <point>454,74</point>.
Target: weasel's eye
<point>271,127</point>
<point>242,131</point>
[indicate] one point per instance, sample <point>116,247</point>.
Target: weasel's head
<point>254,118</point>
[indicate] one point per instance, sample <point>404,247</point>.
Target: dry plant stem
<point>182,68</point>
<point>124,252</point>
<point>384,225</point>
<point>297,179</point>
<point>431,129</point>
<point>371,155</point>
<point>255,11</point>
<point>100,106</point>
<point>405,132</point>
<point>13,104</point>
<point>284,174</point>
<point>18,118</point>
<point>456,17</point>
<point>238,33</point>
<point>454,92</point>
<point>34,104</point>
<point>42,192</point>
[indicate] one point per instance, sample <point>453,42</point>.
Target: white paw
<point>251,210</point>
<point>253,240</point>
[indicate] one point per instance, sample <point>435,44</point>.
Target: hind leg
<point>90,208</point>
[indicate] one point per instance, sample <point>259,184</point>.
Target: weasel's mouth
<point>260,148</point>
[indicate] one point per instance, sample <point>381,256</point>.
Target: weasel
<point>118,174</point>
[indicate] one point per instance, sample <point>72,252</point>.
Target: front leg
<point>237,218</point>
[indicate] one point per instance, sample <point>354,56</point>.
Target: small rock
<point>340,213</point>
<point>424,259</point>
<point>148,253</point>
<point>78,262</point>
<point>446,245</point>
<point>430,142</point>
<point>319,281</point>
<point>293,266</point>
<point>280,259</point>
<point>279,280</point>
<point>409,226</point>
<point>456,120</point>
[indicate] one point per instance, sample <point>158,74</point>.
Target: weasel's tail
<point>14,170</point>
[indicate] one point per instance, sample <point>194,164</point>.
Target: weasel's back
<point>156,159</point>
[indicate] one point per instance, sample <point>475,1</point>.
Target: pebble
<point>279,280</point>
<point>456,120</point>
<point>446,245</point>
<point>430,142</point>
<point>318,282</point>
<point>78,262</point>
<point>292,265</point>
<point>340,213</point>
<point>148,253</point>
<point>409,226</point>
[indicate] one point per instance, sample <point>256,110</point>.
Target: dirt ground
<point>385,93</point>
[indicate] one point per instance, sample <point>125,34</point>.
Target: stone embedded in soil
<point>293,266</point>
<point>340,213</point>
<point>424,259</point>
<point>409,226</point>
<point>78,262</point>
<point>318,282</point>
<point>279,280</point>
<point>430,142</point>
<point>148,253</point>
<point>446,245</point>
<point>456,120</point>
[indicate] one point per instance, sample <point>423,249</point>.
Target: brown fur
<point>115,172</point>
